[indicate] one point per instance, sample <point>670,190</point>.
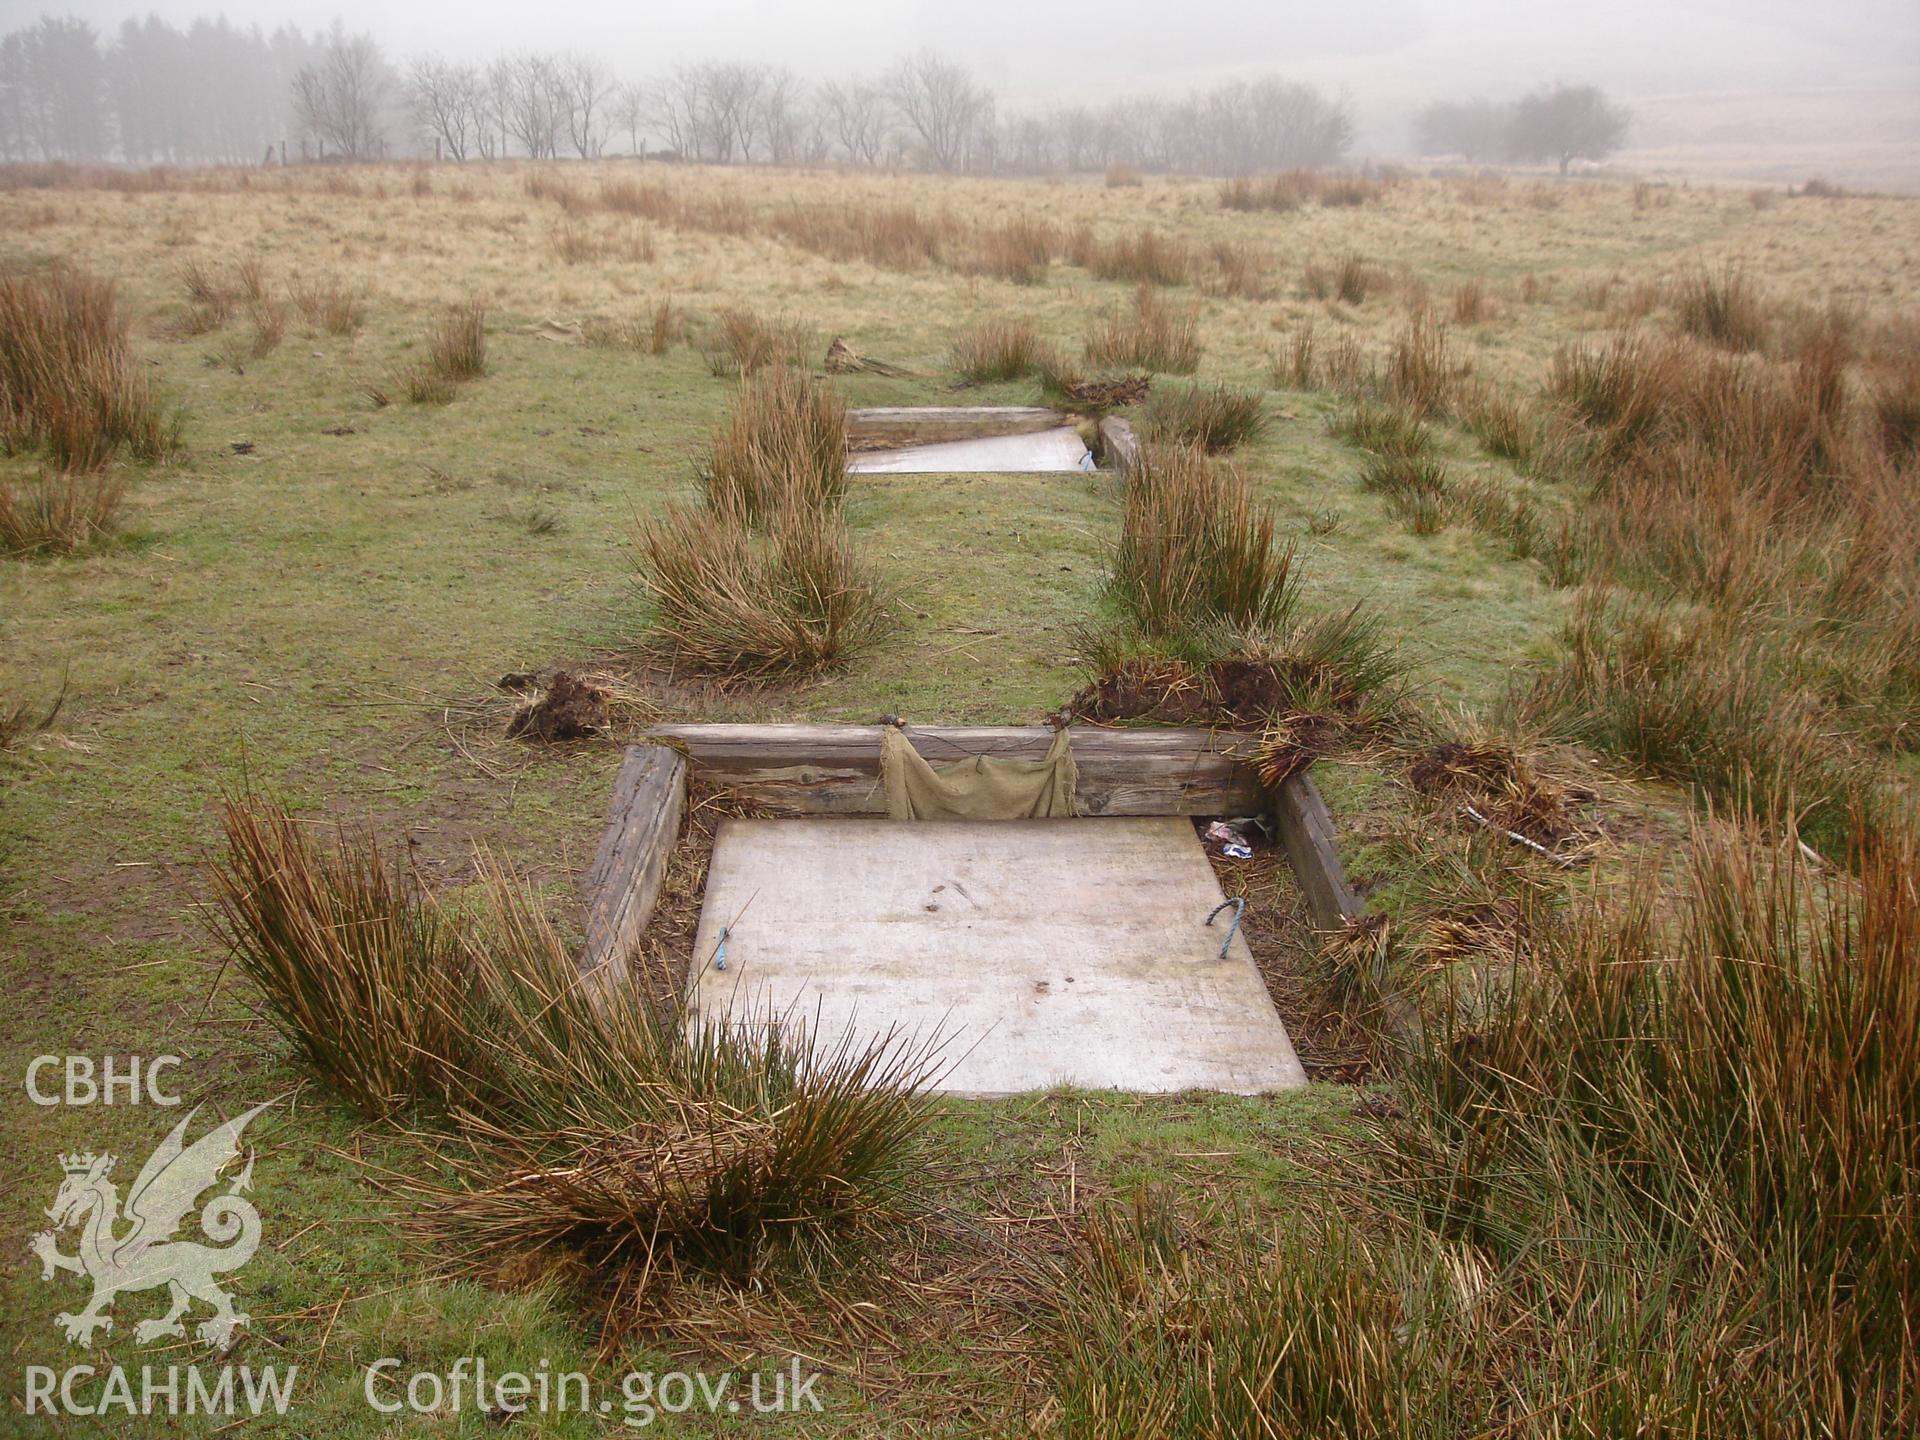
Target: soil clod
<point>571,709</point>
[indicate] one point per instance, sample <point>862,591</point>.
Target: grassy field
<point>316,595</point>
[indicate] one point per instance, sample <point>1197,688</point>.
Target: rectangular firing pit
<point>1053,952</point>
<point>1037,452</point>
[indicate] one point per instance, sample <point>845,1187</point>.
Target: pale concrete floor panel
<point>1031,453</point>
<point>1052,952</point>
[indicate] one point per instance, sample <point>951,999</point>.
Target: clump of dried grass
<point>1020,250</point>
<point>1725,309</point>
<point>330,306</point>
<point>999,349</point>
<point>1240,272</point>
<point>1196,551</point>
<point>1291,189</point>
<point>897,237</point>
<point>69,381</point>
<point>1699,702</point>
<point>1668,1139</point>
<point>1297,367</point>
<point>762,579</point>
<point>784,444</point>
<point>573,1114</point>
<point>423,385</point>
<point>746,341</point>
<point>1168,1333</point>
<point>353,967</point>
<point>1421,372</point>
<point>1471,305</point>
<point>1146,257</point>
<point>785,596</point>
<point>1380,428</point>
<point>1350,279</point>
<point>59,513</point>
<point>545,186</point>
<point>1214,417</point>
<point>269,319</point>
<point>651,332</point>
<point>1416,487</point>
<point>1894,398</point>
<point>23,716</point>
<point>642,202</point>
<point>1155,336</point>
<point>1500,423</point>
<point>457,346</point>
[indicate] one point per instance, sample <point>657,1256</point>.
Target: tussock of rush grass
<point>1660,1180</point>
<point>572,1115</point>
<point>762,578</point>
<point>69,381</point>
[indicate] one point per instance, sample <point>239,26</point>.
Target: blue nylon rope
<point>1239,904</point>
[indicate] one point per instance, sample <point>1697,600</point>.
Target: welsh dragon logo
<point>146,1256</point>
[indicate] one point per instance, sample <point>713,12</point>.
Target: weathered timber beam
<point>649,798</point>
<point>892,427</point>
<point>835,769</point>
<point>1306,833</point>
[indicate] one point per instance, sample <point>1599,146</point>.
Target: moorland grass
<point>762,579</point>
<point>400,597</point>
<point>69,382</point>
<point>1214,417</point>
<point>784,446</point>
<point>1196,551</point>
<point>1663,1177</point>
<point>999,349</point>
<point>58,512</point>
<point>783,595</point>
<point>568,1115</point>
<point>1154,335</point>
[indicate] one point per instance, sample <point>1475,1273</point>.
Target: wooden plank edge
<point>629,865</point>
<point>835,769</point>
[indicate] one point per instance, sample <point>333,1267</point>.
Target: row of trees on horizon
<point>216,93</point>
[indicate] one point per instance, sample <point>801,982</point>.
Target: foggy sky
<point>1388,56</point>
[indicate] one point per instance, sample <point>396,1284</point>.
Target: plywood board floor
<point>1050,952</point>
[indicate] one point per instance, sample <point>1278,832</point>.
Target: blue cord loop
<point>1239,905</point>
<point>720,951</point>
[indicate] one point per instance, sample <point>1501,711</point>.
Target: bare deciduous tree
<point>736,96</point>
<point>629,113</point>
<point>941,104</point>
<point>858,117</point>
<point>338,99</point>
<point>446,101</point>
<point>587,93</point>
<point>533,103</point>
<point>786,111</point>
